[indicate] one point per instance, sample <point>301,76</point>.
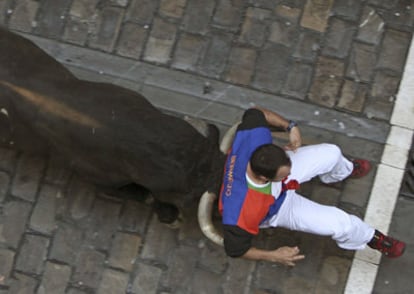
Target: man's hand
<point>276,120</point>
<point>284,255</point>
<point>295,139</point>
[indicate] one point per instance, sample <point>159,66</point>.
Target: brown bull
<point>112,136</point>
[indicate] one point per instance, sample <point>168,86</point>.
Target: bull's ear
<point>5,127</point>
<point>201,126</point>
<point>205,210</point>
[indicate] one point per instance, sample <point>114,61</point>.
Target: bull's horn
<point>228,138</point>
<point>205,206</point>
<point>205,210</point>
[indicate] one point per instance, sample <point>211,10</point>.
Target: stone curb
<point>223,103</point>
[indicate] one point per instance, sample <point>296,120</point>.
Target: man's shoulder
<point>252,118</point>
<point>236,240</point>
<point>235,230</point>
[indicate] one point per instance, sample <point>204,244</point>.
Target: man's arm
<point>284,255</point>
<point>276,120</point>
<point>238,243</point>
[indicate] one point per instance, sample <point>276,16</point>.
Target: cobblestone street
<point>335,66</point>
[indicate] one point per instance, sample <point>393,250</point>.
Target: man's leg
<point>350,232</point>
<point>301,214</point>
<point>323,160</point>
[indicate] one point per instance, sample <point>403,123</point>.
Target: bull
<point>112,136</point>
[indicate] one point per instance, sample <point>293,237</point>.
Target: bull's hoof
<point>168,214</point>
<point>177,223</point>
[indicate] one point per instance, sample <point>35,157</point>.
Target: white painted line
<point>396,152</point>
<point>383,197</point>
<point>362,273</point>
<point>403,110</point>
<point>387,182</point>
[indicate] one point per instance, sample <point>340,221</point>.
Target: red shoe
<point>361,168</point>
<point>390,247</point>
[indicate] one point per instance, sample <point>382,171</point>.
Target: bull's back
<point>110,133</point>
<point>21,58</point>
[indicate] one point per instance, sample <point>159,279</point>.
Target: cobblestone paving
<point>58,234</point>
<point>346,54</point>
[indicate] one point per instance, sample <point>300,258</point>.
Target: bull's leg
<point>167,213</point>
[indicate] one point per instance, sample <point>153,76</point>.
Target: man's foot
<point>390,247</point>
<point>361,168</point>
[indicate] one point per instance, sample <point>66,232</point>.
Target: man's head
<point>271,162</point>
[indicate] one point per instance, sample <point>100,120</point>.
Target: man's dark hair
<point>267,159</point>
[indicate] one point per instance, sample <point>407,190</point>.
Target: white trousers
<point>301,214</point>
